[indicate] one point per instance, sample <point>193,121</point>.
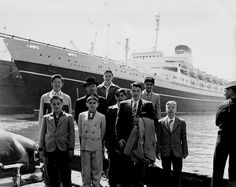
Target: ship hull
<point>37,80</point>
<point>13,94</point>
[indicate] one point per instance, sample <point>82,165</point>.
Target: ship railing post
<point>77,93</point>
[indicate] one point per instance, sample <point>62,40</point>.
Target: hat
<point>149,79</point>
<point>89,81</point>
<point>230,84</point>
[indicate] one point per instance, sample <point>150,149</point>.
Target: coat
<point>101,90</point>
<point>61,137</point>
<point>124,123</point>
<point>155,99</point>
<point>175,141</point>
<point>91,132</point>
<point>225,120</point>
<point>110,138</point>
<point>141,144</point>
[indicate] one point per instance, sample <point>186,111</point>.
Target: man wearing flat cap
<point>149,95</point>
<point>90,86</point>
<point>226,139</point>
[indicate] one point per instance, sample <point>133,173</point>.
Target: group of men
<point>125,119</point>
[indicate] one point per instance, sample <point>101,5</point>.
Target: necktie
<point>107,90</point>
<point>91,115</point>
<point>134,108</point>
<point>170,125</point>
<point>148,96</point>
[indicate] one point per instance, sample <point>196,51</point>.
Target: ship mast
<point>108,38</point>
<point>126,50</point>
<point>157,29</point>
<point>92,48</point>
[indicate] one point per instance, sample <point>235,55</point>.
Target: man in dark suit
<point>114,171</point>
<point>128,115</point>
<point>172,139</point>
<point>91,88</point>
<point>107,89</point>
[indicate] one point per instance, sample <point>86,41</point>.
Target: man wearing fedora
<point>90,86</point>
<point>226,139</point>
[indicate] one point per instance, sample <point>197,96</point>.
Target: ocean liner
<point>175,78</point>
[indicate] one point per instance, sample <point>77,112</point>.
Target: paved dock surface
<point>76,180</point>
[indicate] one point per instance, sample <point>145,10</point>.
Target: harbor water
<point>201,135</point>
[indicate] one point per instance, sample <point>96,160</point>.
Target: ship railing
<point>199,85</point>
<point>165,80</point>
<point>4,35</point>
<point>9,36</point>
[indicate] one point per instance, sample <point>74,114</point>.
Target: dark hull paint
<point>38,85</point>
<point>13,94</point>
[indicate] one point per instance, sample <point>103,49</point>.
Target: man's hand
<point>136,120</point>
<point>158,155</point>
<point>71,153</point>
<point>185,155</point>
<point>122,143</point>
<point>41,156</point>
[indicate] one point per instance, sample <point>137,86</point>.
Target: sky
<point>207,27</point>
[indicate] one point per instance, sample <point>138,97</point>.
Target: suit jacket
<point>61,137</point>
<point>140,146</point>
<point>225,120</point>
<point>45,107</point>
<point>80,106</point>
<point>124,123</point>
<point>110,138</point>
<point>155,99</point>
<point>111,99</point>
<point>91,132</point>
<point>175,141</point>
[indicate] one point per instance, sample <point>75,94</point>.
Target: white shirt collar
<point>150,93</point>
<point>52,93</point>
<point>133,101</point>
<point>168,119</point>
<point>103,84</point>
